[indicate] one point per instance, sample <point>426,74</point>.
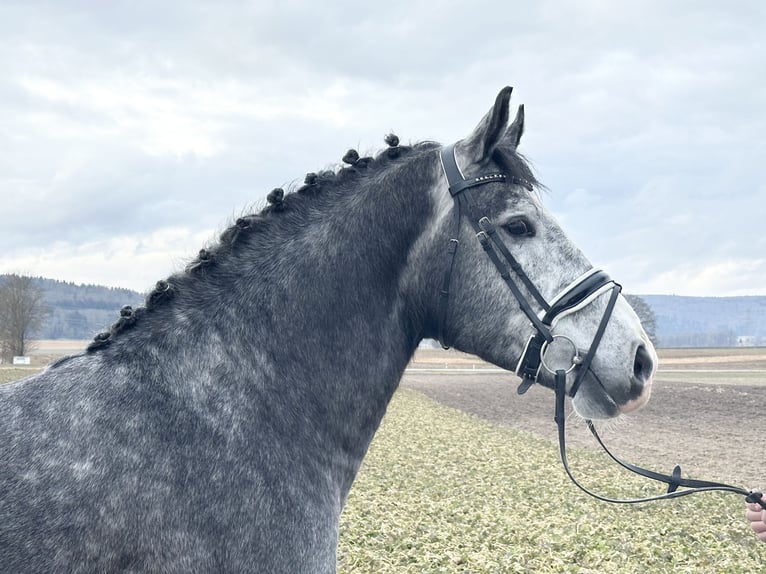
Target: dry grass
<point>8,374</point>
<point>441,491</point>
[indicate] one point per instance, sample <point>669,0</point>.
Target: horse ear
<point>516,129</point>
<point>479,145</point>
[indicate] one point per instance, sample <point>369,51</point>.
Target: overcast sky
<point>132,132</point>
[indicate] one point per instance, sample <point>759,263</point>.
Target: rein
<point>673,480</point>
<point>576,296</point>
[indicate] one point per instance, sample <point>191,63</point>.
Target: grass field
<point>8,374</point>
<point>444,491</point>
<point>441,491</point>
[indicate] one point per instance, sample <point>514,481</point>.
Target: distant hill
<point>708,321</point>
<point>81,311</point>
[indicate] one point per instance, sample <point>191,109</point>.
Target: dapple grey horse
<point>219,427</point>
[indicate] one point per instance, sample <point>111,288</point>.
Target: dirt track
<point>713,429</point>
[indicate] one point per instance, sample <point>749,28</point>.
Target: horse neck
<point>309,315</point>
<point>334,279</point>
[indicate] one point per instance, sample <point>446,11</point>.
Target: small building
<point>747,340</point>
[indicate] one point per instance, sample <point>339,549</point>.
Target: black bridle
<point>576,296</point>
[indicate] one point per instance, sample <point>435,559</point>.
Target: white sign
<point>21,360</point>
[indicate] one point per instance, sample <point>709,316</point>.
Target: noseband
<point>573,298</point>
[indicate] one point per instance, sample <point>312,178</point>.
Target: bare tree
<point>22,312</point>
<point>646,314</point>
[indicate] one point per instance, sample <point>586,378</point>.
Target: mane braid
<point>279,203</point>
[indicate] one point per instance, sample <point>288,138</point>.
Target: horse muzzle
<point>644,367</point>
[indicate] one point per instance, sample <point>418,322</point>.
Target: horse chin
<point>600,405</point>
<point>595,406</point>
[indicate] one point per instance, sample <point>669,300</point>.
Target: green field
<point>718,377</point>
<point>8,374</point>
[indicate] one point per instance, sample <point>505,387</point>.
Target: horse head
<point>509,278</point>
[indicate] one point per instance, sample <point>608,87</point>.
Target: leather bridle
<point>574,297</point>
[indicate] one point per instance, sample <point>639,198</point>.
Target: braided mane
<point>296,202</point>
<point>278,201</point>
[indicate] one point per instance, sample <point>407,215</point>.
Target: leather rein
<point>576,296</point>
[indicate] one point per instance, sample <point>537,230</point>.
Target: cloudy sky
<point>131,132</point>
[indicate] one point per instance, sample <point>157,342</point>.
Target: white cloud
<point>725,277</point>
<point>131,261</point>
<point>119,121</point>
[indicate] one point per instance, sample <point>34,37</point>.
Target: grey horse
<point>219,427</point>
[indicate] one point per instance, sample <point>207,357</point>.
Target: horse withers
<point>220,426</point>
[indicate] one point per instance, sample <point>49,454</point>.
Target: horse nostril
<point>640,382</point>
<point>642,365</point>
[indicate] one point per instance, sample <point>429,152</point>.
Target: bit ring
<point>576,358</point>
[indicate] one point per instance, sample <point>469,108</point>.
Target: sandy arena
<point>706,412</point>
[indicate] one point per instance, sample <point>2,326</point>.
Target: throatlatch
<point>577,295</point>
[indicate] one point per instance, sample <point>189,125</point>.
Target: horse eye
<point>519,227</point>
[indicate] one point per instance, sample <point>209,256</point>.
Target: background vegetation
<point>79,311</point>
<point>23,312</point>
